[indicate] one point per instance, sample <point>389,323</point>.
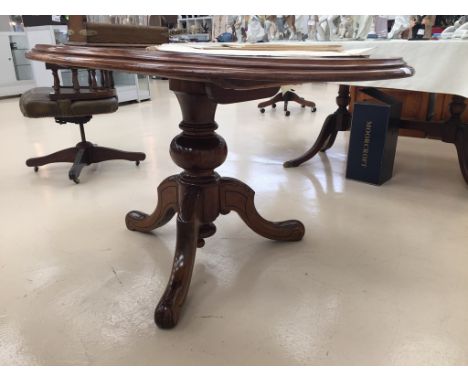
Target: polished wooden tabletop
<point>226,71</point>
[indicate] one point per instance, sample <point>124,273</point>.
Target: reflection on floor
<point>381,276</point>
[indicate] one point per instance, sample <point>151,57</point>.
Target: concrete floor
<point>380,278</point>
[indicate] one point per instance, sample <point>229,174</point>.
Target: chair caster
<point>137,162</point>
<point>273,105</point>
<point>73,176</point>
<point>287,113</point>
<point>36,169</point>
<point>262,110</point>
<point>314,109</point>
<point>75,179</point>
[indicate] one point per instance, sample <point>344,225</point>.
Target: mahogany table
<point>198,195</point>
<point>453,130</point>
<point>440,68</point>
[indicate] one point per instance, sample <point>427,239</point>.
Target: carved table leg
<point>169,307</point>
<point>199,195</point>
<point>329,142</point>
<point>237,196</point>
<point>456,132</point>
<point>166,208</point>
<point>328,129</point>
<point>338,121</point>
<point>461,144</point>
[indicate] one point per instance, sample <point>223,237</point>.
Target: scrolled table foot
<point>166,208</point>
<point>165,317</point>
<point>237,196</point>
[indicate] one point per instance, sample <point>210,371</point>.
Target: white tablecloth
<point>441,66</point>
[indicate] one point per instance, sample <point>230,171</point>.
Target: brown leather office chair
<point>75,104</point>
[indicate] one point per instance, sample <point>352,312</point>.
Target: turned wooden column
<point>343,115</point>
<point>198,150</point>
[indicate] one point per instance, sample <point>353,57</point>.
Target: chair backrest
<point>76,91</point>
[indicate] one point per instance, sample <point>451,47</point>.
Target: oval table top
<point>230,72</point>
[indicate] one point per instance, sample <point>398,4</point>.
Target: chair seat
<point>36,103</point>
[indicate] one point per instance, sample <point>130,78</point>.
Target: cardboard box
<point>373,140</point>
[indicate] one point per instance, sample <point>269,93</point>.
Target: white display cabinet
<point>16,75</point>
<point>198,28</point>
<point>44,34</point>
<point>132,87</point>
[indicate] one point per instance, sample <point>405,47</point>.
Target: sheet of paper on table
<point>302,50</point>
